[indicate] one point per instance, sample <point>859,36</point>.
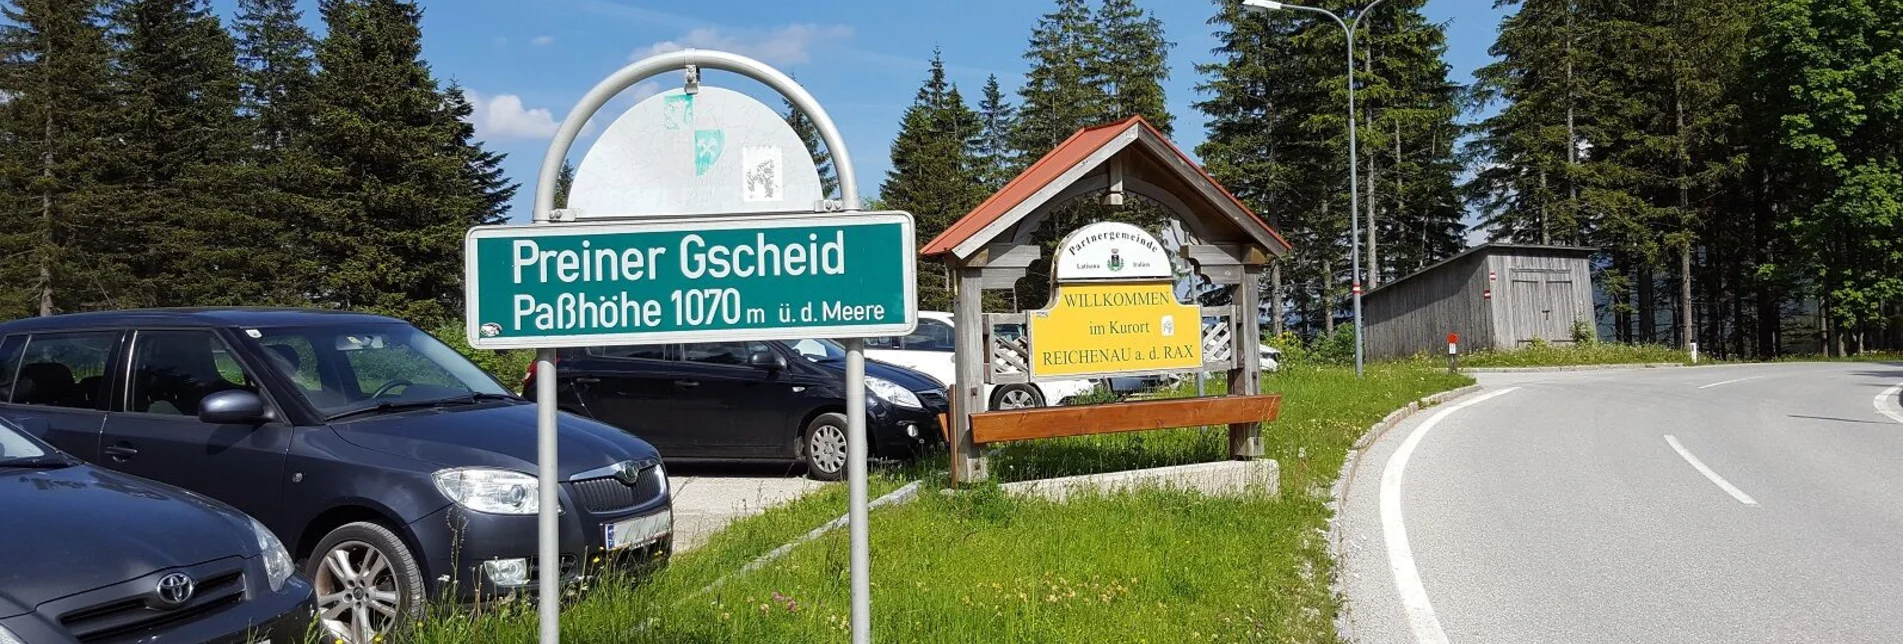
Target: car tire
<point>823,447</point>
<point>375,588</point>
<point>1016,396</point>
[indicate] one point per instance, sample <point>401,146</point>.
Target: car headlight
<point>490,490</point>
<point>277,560</point>
<point>660,473</point>
<point>891,392</point>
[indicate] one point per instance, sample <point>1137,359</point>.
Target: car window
<point>931,335</point>
<point>632,351</point>
<point>14,444</point>
<point>10,364</point>
<point>377,366</point>
<point>172,371</point>
<point>64,369</point>
<point>819,350</point>
<point>726,353</point>
<point>888,342</point>
<point>344,369</point>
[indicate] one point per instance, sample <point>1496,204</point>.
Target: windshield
<point>15,445</point>
<point>820,350</point>
<point>343,369</point>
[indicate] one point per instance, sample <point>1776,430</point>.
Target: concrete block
<point>1226,478</point>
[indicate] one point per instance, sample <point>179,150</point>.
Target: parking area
<point>708,496</point>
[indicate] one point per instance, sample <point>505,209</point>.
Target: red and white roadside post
<point>1453,353</point>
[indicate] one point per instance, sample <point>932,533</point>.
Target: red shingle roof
<point>1067,155</point>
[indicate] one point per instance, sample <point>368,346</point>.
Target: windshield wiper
<point>403,405</point>
<point>46,462</point>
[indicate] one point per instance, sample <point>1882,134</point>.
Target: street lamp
<point>1354,145</point>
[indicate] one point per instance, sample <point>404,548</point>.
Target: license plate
<point>638,531</point>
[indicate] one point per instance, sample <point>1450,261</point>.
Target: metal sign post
<point>554,284</point>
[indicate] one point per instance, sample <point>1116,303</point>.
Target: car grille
<point>131,617</point>
<point>933,400</point>
<point>609,494</point>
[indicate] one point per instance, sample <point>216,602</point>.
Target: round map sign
<point>1112,251</point>
<point>713,152</point>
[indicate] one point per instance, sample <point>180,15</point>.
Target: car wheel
<point>366,582</point>
<point>1011,397</point>
<point>826,447</point>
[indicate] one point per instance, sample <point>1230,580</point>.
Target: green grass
<point>1553,355</point>
<point>982,566</point>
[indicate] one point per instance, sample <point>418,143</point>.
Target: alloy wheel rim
<point>357,598</point>
<point>829,448</point>
<point>1016,399</point>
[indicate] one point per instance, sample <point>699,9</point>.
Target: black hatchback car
<point>750,400</point>
<point>393,468</point>
<point>91,555</point>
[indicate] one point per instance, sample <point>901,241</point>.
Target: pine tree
<point>1060,93</point>
<point>54,74</point>
<point>1411,110</point>
<point>276,67</point>
<point>396,177</point>
<point>822,158</point>
<point>933,175</point>
<point>991,149</point>
<point>1132,64</point>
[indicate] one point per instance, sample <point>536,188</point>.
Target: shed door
<point>1542,305</point>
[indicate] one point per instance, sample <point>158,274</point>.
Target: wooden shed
<point>1495,296</point>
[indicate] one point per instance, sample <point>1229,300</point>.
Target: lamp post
<point>1354,147</point>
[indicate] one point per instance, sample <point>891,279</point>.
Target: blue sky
<point>526,62</point>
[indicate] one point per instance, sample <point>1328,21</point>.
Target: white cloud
<point>543,41</point>
<point>784,45</point>
<point>504,116</point>
<point>644,91</point>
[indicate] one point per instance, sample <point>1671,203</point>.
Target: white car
<point>929,349</point>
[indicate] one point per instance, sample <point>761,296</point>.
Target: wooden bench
<point>1087,420</point>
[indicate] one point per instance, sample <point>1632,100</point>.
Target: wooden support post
<point>1245,439</point>
<point>972,356</point>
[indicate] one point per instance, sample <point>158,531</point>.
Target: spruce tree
<point>186,232</point>
<point>396,176</point>
<point>1132,64</point>
<point>564,182</point>
<point>822,158</point>
<point>274,54</point>
<point>991,149</point>
<point>933,175</point>
<point>54,73</point>
<point>1060,93</point>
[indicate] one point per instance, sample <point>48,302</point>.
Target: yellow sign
<point>1109,328</point>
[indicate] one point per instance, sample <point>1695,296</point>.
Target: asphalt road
<point>710,495</point>
<point>1750,503</point>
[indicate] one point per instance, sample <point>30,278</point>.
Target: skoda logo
<point>175,589</point>
<point>627,472</point>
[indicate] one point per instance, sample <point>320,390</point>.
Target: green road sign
<point>758,277</point>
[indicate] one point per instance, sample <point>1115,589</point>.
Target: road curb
<point>1582,367</point>
<point>1343,623</point>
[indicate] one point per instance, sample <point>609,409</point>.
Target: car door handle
<point>686,384</point>
<point>121,452</point>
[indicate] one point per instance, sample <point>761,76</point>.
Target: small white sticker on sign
<point>762,173</point>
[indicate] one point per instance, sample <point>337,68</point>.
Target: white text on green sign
<point>728,278</point>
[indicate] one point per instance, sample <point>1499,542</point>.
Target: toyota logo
<point>175,589</point>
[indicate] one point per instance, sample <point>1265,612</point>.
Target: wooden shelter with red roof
<point>992,247</point>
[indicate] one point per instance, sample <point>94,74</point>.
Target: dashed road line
<point>1715,478</point>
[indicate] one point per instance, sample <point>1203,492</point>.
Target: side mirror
<point>234,407</point>
<point>766,360</point>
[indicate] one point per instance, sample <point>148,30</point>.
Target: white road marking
<point>1887,405</point>
<point>1715,384</point>
<point>1715,478</point>
<point>1407,578</point>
